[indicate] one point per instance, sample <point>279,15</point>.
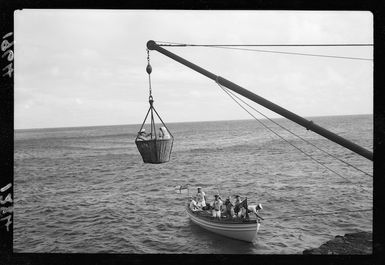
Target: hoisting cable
<point>229,46</point>
<point>150,98</point>
<point>315,160</point>
<point>306,141</point>
<point>149,70</point>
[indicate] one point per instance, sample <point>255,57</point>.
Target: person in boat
<point>241,208</point>
<point>217,206</point>
<point>163,133</point>
<point>201,198</point>
<point>228,209</point>
<point>255,209</point>
<point>237,203</point>
<point>242,211</point>
<point>208,207</point>
<point>142,135</point>
<point>193,205</point>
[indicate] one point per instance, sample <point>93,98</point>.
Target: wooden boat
<point>245,230</point>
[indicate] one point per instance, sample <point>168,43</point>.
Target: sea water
<point>86,189</point>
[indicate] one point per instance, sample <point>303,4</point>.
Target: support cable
<point>306,141</point>
<point>268,128</point>
<point>296,53</point>
<point>176,44</point>
<point>233,47</point>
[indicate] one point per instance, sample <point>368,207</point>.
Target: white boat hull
<point>236,230</point>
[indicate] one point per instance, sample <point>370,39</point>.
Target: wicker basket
<point>155,151</point>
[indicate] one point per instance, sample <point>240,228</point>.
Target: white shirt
<point>252,208</point>
<point>193,205</point>
<point>217,204</point>
<point>201,199</point>
<point>164,133</point>
<point>201,196</point>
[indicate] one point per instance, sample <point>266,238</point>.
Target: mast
<point>309,125</point>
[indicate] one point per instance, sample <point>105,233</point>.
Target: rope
<point>163,123</point>
<point>347,163</point>
<point>176,44</point>
<point>149,73</point>
<point>151,100</point>
<point>304,54</point>
<point>315,160</point>
<point>280,52</point>
<point>145,118</point>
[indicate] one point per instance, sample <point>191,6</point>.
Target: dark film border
<point>7,135</point>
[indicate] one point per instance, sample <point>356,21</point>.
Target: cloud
<point>86,66</point>
<point>79,101</point>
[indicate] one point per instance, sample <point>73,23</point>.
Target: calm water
<point>87,190</point>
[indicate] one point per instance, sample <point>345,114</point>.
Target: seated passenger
<point>217,206</point>
<point>142,135</point>
<point>193,205</point>
<point>163,133</point>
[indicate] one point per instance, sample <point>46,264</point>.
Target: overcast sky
<point>87,67</point>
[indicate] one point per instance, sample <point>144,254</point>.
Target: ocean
<point>87,190</point>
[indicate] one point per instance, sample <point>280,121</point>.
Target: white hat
<point>143,130</point>
<point>260,206</point>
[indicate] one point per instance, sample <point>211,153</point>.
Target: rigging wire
<point>296,53</point>
<point>232,47</point>
<point>148,69</point>
<point>268,128</point>
<point>306,141</point>
<point>176,44</point>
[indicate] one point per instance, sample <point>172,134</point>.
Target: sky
<point>87,67</point>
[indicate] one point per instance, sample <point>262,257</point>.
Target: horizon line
<point>105,125</point>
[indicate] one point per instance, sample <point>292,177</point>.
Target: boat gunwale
<point>223,221</point>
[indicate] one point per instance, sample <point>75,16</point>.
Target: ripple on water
<point>109,201</point>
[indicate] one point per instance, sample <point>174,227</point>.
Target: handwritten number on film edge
<point>6,210</point>
<point>5,45</point>
<point>6,53</point>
